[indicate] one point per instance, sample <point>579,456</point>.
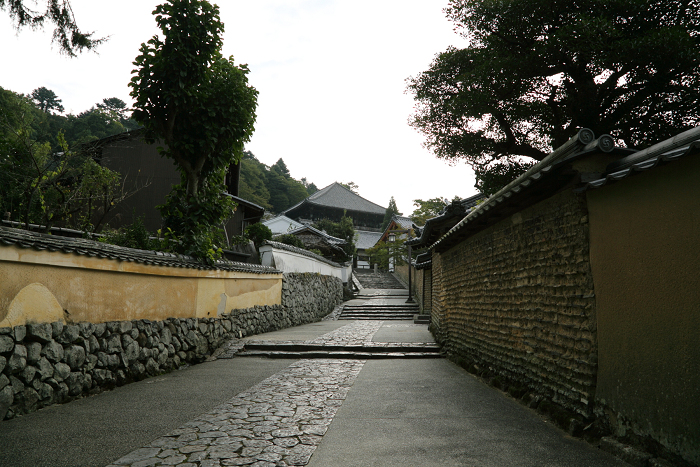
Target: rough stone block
<point>113,344</point>
<point>17,385</point>
<point>45,392</point>
<point>70,334</point>
<point>53,351</point>
<point>86,329</point>
<point>20,333</point>
<point>75,356</point>
<point>18,359</point>
<point>56,329</point>
<point>28,374</point>
<point>30,397</point>
<point>7,343</point>
<point>61,371</point>
<point>4,381</point>
<point>41,332</point>
<point>45,368</point>
<point>33,352</point>
<point>100,329</point>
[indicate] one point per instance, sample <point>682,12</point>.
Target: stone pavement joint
<point>279,422</point>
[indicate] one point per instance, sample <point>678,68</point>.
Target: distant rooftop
<point>336,195</point>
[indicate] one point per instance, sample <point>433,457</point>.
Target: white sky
<point>331,76</point>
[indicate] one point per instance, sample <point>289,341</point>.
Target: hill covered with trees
<point>271,187</point>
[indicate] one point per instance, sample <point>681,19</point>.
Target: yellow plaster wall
<point>42,286</point>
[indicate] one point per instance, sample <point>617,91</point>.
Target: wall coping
<point>10,237</point>
<point>300,251</point>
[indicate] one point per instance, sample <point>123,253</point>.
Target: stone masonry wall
<point>427,291</point>
<point>49,363</point>
<point>517,300</point>
<point>308,297</point>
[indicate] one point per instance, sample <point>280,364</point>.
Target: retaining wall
<point>48,363</point>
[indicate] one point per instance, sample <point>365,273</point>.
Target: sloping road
<point>320,412</point>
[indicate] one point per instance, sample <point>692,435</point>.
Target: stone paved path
<point>279,422</point>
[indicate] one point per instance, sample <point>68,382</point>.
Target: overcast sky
<point>331,76</point>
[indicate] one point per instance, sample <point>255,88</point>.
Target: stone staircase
<point>367,350</point>
<point>376,280</point>
<point>379,311</point>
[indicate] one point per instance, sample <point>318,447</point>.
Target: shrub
<point>289,239</point>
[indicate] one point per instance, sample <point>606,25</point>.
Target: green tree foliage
<point>42,186</point>
<point>258,233</point>
<point>391,210</point>
<point>535,72</point>
<point>289,239</point>
<point>427,209</point>
<point>133,236</point>
<point>310,187</point>
<point>343,229</point>
<point>352,186</point>
<point>271,187</point>
<point>47,100</point>
<point>252,184</point>
<point>383,252</point>
<point>59,12</point>
<point>201,106</point>
<point>105,119</point>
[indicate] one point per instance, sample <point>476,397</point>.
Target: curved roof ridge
<point>338,196</point>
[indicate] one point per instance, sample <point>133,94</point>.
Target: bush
<point>289,239</point>
<point>258,233</point>
<point>132,236</point>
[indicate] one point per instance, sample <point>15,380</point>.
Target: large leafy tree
<point>66,34</point>
<point>535,72</point>
<point>427,209</point>
<point>200,105</point>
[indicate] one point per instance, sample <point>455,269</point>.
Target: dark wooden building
<point>150,177</point>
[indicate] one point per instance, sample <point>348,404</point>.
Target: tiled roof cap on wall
<point>301,251</point>
<point>659,154</point>
<point>584,142</point>
<point>84,247</point>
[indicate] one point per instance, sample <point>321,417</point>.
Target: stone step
<point>377,316</point>
<point>421,319</point>
<point>367,350</point>
<point>336,354</point>
<point>374,347</point>
<point>387,306</point>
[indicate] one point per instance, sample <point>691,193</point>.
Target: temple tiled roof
<point>337,196</point>
<point>92,248</point>
<point>307,228</point>
<point>366,239</point>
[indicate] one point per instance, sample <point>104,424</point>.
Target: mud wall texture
<point>645,257</point>
<point>55,362</point>
<point>517,300</point>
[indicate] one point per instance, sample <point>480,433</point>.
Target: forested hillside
<point>43,178</point>
<point>105,118</point>
<point>271,187</point>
